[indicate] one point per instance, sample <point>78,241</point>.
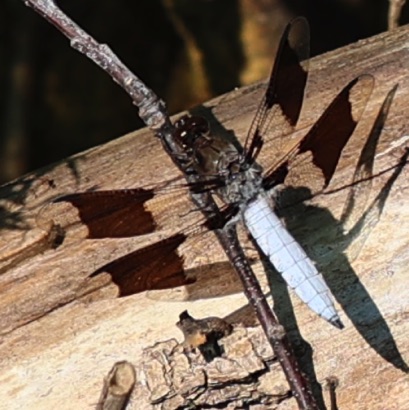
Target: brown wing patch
<point>158,266</point>
<point>313,161</point>
<point>281,104</point>
<point>106,214</point>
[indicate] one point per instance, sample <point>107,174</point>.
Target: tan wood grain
<point>61,332</point>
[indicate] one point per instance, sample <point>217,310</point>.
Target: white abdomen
<point>289,259</point>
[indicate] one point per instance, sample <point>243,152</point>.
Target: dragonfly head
<point>192,130</point>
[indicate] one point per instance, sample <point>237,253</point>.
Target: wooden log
<point>61,332</point>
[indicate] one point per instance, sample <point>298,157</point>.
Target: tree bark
<point>61,332</point>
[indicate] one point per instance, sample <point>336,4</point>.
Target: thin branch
<point>153,112</point>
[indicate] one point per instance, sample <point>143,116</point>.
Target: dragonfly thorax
<point>242,183</point>
<point>218,159</point>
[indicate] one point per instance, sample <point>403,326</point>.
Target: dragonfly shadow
<point>341,278</point>
<point>279,290</point>
<point>322,227</point>
<point>213,280</point>
<point>355,224</point>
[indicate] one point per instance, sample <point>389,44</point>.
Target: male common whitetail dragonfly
<point>232,174</point>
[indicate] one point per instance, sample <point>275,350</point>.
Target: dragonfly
<point>232,173</point>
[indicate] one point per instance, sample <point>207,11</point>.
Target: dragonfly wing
<point>158,266</point>
<point>105,214</point>
<point>314,159</point>
<point>123,213</point>
<point>281,104</point>
<point>362,180</point>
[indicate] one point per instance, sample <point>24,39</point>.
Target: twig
<point>153,112</point>
<point>395,9</point>
<point>118,386</point>
<point>332,384</point>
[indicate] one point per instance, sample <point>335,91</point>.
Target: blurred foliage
<point>55,102</point>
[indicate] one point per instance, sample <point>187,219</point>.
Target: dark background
<point>54,102</point>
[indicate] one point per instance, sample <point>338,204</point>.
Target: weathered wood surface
<point>61,332</point>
